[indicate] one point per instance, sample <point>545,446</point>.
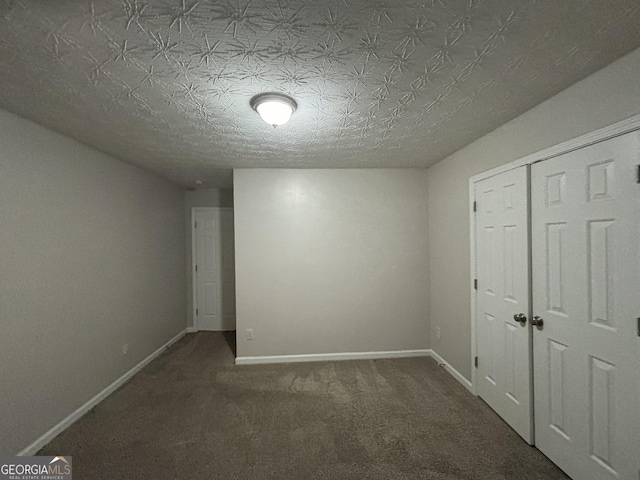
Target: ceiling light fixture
<point>274,108</point>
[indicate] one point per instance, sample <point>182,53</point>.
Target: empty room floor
<point>193,414</point>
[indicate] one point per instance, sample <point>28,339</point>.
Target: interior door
<point>502,303</point>
<point>207,270</point>
<point>586,281</point>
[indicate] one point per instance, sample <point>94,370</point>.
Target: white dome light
<point>274,108</point>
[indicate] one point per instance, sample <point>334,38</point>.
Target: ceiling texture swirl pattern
<point>166,84</point>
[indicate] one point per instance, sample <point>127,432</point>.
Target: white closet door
<point>586,282</point>
<point>502,270</point>
<point>207,269</point>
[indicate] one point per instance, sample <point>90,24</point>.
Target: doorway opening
<point>213,270</point>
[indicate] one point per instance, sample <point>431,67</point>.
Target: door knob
<point>537,322</point>
<point>521,318</point>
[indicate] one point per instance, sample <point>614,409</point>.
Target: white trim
<point>194,318</point>
<point>474,275</point>
<point>454,373</point>
<point>191,330</point>
<point>620,128</point>
<point>69,420</point>
<point>323,357</point>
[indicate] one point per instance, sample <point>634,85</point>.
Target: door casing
<point>615,130</point>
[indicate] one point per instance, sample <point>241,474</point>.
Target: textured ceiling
<point>166,84</point>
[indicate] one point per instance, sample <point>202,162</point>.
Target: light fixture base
<point>274,108</point>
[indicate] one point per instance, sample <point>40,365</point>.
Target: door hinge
<point>196,268</point>
<point>638,173</point>
<point>475,284</point>
<point>639,326</point>
<point>195,224</point>
<point>197,311</point>
<point>475,362</point>
<point>475,206</point>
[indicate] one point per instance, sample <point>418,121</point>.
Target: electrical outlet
<point>249,333</point>
<point>438,333</point>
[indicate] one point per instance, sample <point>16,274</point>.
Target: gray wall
<point>91,275</point>
<point>608,96</point>
<point>206,197</point>
<point>331,261</point>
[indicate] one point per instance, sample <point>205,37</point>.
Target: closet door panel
<point>585,267</point>
<point>502,270</point>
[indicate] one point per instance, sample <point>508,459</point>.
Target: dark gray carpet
<point>192,414</point>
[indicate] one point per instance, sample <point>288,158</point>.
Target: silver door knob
<point>521,318</point>
<point>537,322</point>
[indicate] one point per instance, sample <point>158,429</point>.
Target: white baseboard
<point>323,357</point>
<point>454,373</point>
<point>318,357</point>
<point>194,330</point>
<point>68,421</point>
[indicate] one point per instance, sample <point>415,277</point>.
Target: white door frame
<point>620,128</point>
<point>194,317</point>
